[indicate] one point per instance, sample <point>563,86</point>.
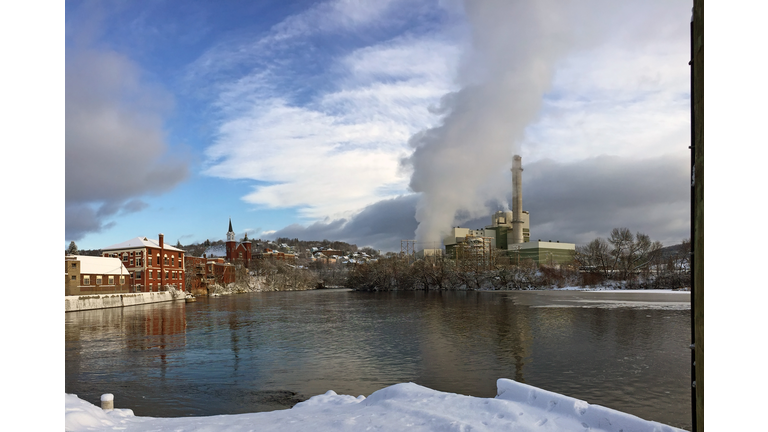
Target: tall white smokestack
<point>517,200</point>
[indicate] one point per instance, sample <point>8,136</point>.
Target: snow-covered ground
<point>519,407</point>
<point>614,289</point>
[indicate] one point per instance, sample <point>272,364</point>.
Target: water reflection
<point>266,351</point>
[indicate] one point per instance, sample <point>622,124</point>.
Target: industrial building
<point>509,232</point>
<point>542,252</point>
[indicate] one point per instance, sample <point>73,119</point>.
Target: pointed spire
<point>230,226</point>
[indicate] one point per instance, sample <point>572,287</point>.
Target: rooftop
<point>140,242</point>
<point>99,265</point>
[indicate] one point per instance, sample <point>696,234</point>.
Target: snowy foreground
<point>517,407</point>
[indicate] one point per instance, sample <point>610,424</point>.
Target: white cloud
<point>340,151</point>
<point>628,99</point>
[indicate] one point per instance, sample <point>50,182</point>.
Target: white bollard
<point>107,402</point>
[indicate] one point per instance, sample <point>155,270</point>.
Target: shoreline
<point>108,301</point>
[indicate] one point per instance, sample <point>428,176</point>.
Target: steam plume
<point>515,46</point>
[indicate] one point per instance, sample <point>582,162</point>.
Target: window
<point>131,262</point>
<point>158,259</point>
<point>122,279</point>
<point>86,280</point>
<point>138,262</point>
<point>98,280</point>
<point>73,277</point>
<point>125,257</point>
<point>74,265</point>
<point>111,280</point>
<point>173,263</point>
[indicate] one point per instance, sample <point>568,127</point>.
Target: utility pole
<point>407,249</point>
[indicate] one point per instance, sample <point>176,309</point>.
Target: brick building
<point>94,275</point>
<point>151,264</point>
<point>238,252</point>
<point>275,255</point>
<point>203,272</point>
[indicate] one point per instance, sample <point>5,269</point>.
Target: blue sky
<point>372,122</point>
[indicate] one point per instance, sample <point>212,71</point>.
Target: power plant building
<point>510,231</point>
<point>542,252</point>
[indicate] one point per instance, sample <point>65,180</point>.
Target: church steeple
<point>231,232</point>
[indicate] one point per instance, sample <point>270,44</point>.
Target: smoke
<point>515,48</point>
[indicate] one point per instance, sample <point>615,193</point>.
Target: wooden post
<point>697,213</point>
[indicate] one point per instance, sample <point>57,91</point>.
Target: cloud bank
<point>115,148</point>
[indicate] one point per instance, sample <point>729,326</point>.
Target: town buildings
<point>151,265</point>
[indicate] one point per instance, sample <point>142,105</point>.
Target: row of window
<point>173,275</point>
<point>166,261</point>
<point>110,280</point>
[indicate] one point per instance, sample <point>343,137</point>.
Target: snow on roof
<point>407,406</point>
<point>139,242</point>
<point>100,265</point>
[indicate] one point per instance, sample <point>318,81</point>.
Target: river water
<point>266,351</point>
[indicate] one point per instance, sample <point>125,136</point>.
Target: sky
<point>374,121</point>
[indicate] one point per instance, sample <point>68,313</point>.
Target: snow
<point>618,290</point>
<point>99,265</point>
<point>408,406</point>
<point>141,242</point>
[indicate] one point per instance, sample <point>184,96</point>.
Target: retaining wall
<point>103,301</point>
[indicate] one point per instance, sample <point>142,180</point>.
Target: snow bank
<point>411,407</point>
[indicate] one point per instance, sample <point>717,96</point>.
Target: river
<point>266,351</point>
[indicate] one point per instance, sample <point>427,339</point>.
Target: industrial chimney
<point>517,200</point>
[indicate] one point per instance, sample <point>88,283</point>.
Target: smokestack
<point>517,200</point>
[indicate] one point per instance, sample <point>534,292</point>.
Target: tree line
<point>623,260</point>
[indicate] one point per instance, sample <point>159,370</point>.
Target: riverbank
<point>406,406</point>
<point>106,301</point>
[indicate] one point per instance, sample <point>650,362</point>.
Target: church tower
<point>231,244</point>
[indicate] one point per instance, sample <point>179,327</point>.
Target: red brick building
<point>276,255</point>
<point>238,252</point>
<point>202,272</point>
<point>151,264</point>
